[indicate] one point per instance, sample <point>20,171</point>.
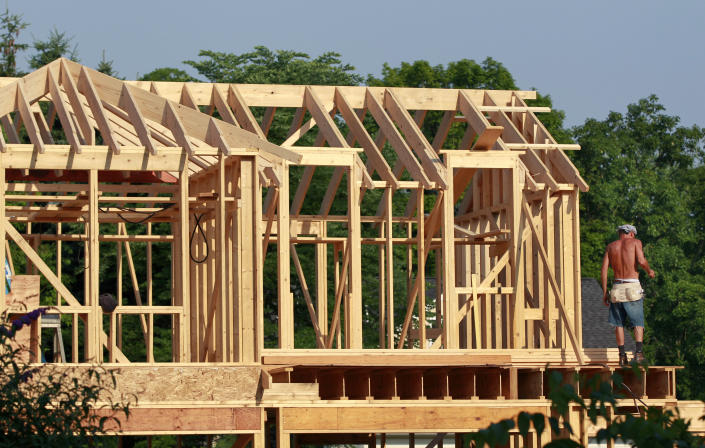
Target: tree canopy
<point>57,45</point>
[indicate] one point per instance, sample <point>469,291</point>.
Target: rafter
<point>79,110</point>
<point>10,130</point>
<point>397,141</point>
<point>127,102</point>
<point>429,159</point>
<point>360,133</point>
<point>64,115</point>
<point>86,86</point>
<point>511,133</point>
<point>487,134</point>
<point>243,113</point>
<point>221,106</point>
<point>30,123</point>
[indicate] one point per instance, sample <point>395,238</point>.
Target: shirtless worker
<point>626,297</point>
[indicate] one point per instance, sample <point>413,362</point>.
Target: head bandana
<point>628,228</point>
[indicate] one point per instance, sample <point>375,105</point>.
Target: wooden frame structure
<point>488,231</point>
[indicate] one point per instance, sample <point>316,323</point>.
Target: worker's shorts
<point>619,312</point>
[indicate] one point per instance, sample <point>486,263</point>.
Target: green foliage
<point>10,27</point>
<point>106,66</point>
<point>57,45</point>
<point>264,66</point>
<point>168,74</point>
<point>645,169</point>
<point>462,74</point>
<point>45,407</point>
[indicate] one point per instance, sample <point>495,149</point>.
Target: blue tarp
<point>8,277</point>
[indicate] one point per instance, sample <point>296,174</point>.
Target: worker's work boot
<point>623,361</point>
<point>638,357</point>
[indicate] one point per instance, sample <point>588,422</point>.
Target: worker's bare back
<point>624,257</point>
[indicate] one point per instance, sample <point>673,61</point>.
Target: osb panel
<point>24,293</point>
<point>163,383</point>
<point>179,384</point>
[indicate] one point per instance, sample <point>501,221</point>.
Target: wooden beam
<point>221,105</point>
<point>429,159</point>
<point>98,158</point>
<point>12,136</point>
<point>86,86</point>
<point>284,297</point>
<point>450,298</point>
<point>59,101</point>
<point>243,113</point>
<point>267,119</point>
<point>186,98</point>
<point>171,120</point>
<point>79,110</point>
<point>400,147</point>
<point>215,137</point>
<point>127,103</point>
<point>373,153</point>
<point>477,121</point>
<point>30,123</point>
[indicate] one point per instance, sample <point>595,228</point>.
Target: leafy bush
<point>44,405</point>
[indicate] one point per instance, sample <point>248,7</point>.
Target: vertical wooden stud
<point>285,298</point>
<point>450,305</point>
<point>355,318</point>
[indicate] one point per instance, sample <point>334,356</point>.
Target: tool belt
<point>626,292</point>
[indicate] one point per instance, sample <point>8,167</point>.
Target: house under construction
<point>442,311</point>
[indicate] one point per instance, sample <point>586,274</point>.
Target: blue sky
<point>591,56</point>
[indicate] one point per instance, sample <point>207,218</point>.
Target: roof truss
<point>155,115</point>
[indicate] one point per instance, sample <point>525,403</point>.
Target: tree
<point>44,407</point>
<point>106,66</point>
<point>57,45</point>
<point>168,74</point>
<point>10,27</point>
<point>645,169</point>
<point>264,66</point>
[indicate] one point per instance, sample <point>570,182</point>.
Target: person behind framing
<point>626,298</point>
